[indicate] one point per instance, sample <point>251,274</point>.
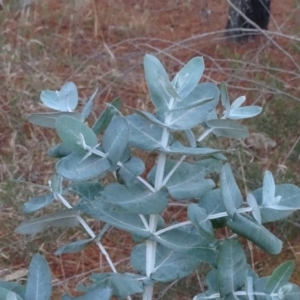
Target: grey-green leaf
<point>89,105</point>
<point>74,247</point>
<point>169,265</point>
<point>290,201</point>
<point>39,286</point>
<point>69,130</point>
<point>230,191</point>
<point>135,199</point>
<point>154,71</point>
<point>224,97</point>
<point>143,134</point>
<point>38,203</point>
<point>129,171</point>
<point>95,294</point>
<point>188,77</point>
<point>50,99</point>
<point>228,128</point>
<point>73,167</point>
<point>115,139</point>
<point>268,192</point>
<point>14,287</point>
<point>104,119</point>
<point>59,151</point>
<point>255,209</point>
<point>128,222</point>
<point>64,218</point>
<point>68,97</point>
<point>48,119</point>
<point>120,284</point>
<point>280,276</point>
<point>231,266</point>
<point>198,217</point>
<point>247,227</point>
<point>244,112</point>
<point>6,294</point>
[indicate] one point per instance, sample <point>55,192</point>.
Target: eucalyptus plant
<point>186,114</point>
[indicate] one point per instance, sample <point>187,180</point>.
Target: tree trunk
<point>258,11</point>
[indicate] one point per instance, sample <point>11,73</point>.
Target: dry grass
<point>102,43</point>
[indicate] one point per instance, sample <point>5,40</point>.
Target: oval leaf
<point>68,97</point>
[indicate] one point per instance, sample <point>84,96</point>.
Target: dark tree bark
<point>258,11</point>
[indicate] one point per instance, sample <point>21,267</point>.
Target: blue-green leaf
<point>129,171</point>
<point>188,77</point>
<point>38,203</point>
<point>68,97</point>
<point>64,218</point>
<point>59,151</point>
<point>178,148</point>
<point>244,112</point>
<point>69,130</point>
<point>74,247</point>
<point>224,97</point>
<point>247,227</point>
<point>232,267</point>
<point>103,121</point>
<point>48,119</point>
<point>155,73</point>
<point>135,199</point>
<point>198,217</point>
<point>95,294</point>
<point>120,284</point>
<point>7,294</point>
<point>88,190</point>
<point>280,276</point>
<point>255,209</point>
<point>228,128</point>
<point>230,191</point>
<point>89,105</point>
<point>169,265</point>
<point>39,286</point>
<point>14,287</point>
<point>73,167</point>
<point>143,134</point>
<point>128,222</point>
<point>50,99</point>
<point>188,181</point>
<point>115,139</point>
<point>268,193</point>
<point>289,202</point>
<point>193,110</point>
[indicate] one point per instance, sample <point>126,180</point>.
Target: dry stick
<point>264,33</point>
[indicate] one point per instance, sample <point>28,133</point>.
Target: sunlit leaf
<point>89,105</point>
<point>50,99</point>
<point>68,97</point>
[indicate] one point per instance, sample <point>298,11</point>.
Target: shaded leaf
<point>103,121</point>
<point>230,191</point>
<point>135,199</point>
<point>280,276</point>
<point>74,247</point>
<point>64,218</point>
<point>89,105</point>
<point>231,267</point>
<point>59,151</point>
<point>247,227</point>
<point>130,170</point>
<point>37,203</point>
<point>95,294</point>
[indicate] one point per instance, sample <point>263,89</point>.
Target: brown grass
<point>102,43</point>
